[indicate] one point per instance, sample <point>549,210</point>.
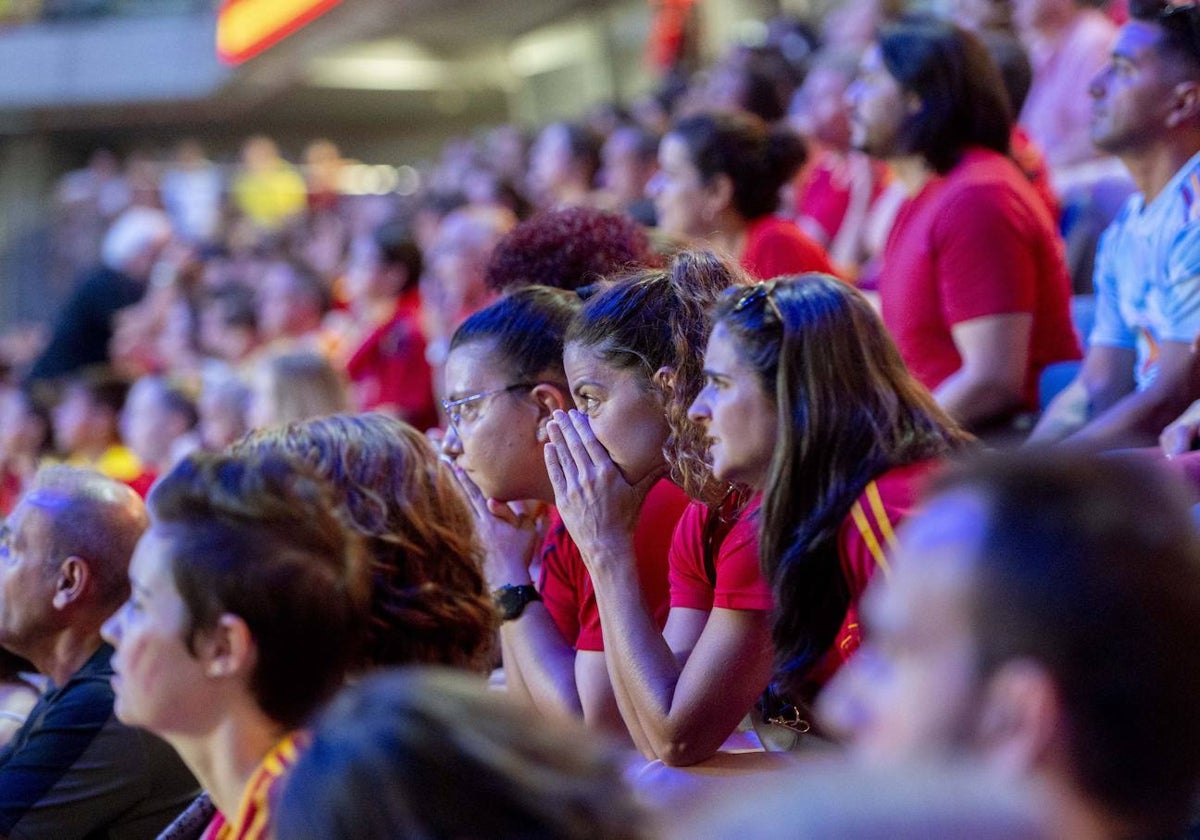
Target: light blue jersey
<point>1147,275</point>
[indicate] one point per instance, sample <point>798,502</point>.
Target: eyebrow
<point>586,383</point>
<point>714,374</point>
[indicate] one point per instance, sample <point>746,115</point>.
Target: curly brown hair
<point>429,602</point>
<point>660,318</point>
<point>569,248</point>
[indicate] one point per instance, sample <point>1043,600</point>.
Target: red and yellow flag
<point>246,28</point>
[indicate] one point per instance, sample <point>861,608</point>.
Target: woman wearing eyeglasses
<point>805,400</point>
<point>504,379</point>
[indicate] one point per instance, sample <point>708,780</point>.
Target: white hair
<point>133,231</point>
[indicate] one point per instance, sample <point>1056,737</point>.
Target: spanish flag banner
<point>246,28</point>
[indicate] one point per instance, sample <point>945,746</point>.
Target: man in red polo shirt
<point>974,286</point>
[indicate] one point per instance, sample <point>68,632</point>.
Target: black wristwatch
<point>511,600</point>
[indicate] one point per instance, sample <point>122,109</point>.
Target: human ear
<point>228,648</point>
<point>74,575</point>
<point>1186,98</point>
<point>719,193</point>
<point>1021,717</point>
<point>549,399</point>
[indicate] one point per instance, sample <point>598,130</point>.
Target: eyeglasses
<point>466,409</point>
<point>764,292</point>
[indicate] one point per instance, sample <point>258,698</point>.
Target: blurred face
<point>624,174</point>
<point>678,191</point>
<point>1132,95</point>
<point>159,685</point>
<point>72,421</point>
<point>819,109</point>
<point>262,411</point>
<point>878,107</point>
<point>26,575</point>
<point>282,310</point>
<point>911,690</point>
<point>146,426</point>
<point>549,163</point>
<point>21,431</point>
<point>222,420</point>
<point>627,417</point>
<point>738,415</point>
<point>496,440</point>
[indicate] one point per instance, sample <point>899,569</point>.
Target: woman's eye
<point>586,403</point>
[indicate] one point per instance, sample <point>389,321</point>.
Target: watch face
<point>511,600</point>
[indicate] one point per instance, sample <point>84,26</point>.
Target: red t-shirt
<point>865,540</point>
<point>389,369</point>
<point>823,194</point>
<point>974,243</point>
<point>566,586</point>
<point>775,247</point>
<point>739,583</point>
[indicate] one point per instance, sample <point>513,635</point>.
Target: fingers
<point>505,513</point>
<point>569,442</point>
<point>554,468</point>
<point>1177,439</point>
<point>596,451</point>
<point>474,496</point>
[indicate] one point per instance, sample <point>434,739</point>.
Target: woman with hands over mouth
<point>633,358</point>
<point>504,379</point>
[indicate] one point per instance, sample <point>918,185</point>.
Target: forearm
<point>1135,420</point>
<point>974,399</point>
<point>1066,414</point>
<point>641,666</point>
<point>542,663</point>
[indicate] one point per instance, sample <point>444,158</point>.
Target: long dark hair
<point>963,99</point>
<point>848,410</point>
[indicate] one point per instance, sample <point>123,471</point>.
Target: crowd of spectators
<point>718,431</point>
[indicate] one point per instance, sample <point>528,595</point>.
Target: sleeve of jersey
<point>1109,328</point>
<point>1181,297</point>
<point>740,582</point>
<point>557,587</point>
<point>985,256</point>
<point>74,774</point>
<point>690,587</point>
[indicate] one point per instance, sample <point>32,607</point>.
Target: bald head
<point>92,517</point>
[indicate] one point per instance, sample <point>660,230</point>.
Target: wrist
<point>507,574</point>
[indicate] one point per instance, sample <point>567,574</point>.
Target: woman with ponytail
<point>807,400</point>
<point>633,358</point>
<point>719,181</point>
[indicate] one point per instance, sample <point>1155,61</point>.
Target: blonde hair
<point>300,386</point>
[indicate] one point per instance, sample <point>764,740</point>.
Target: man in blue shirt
<point>1140,371</point>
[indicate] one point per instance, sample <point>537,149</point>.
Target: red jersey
<point>974,243</point>
<point>739,583</point>
<point>865,540</point>
<point>389,370</point>
<point>566,586</point>
<point>775,247</point>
